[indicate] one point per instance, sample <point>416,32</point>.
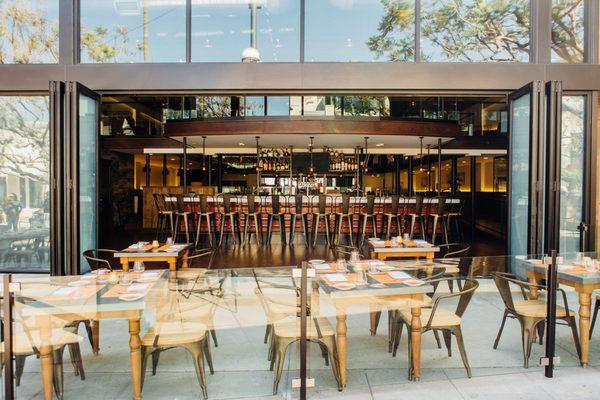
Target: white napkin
<point>336,278</point>
<point>562,267</point>
<point>399,275</point>
<point>65,291</point>
<point>322,266</point>
<point>148,275</point>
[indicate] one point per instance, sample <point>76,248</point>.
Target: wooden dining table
<point>382,250</point>
<point>371,292</point>
<point>82,304</point>
<point>171,254</point>
<point>583,281</point>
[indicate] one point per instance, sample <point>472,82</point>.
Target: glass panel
<point>278,105</point>
<point>475,30</point>
<point>132,31</point>
<point>568,31</point>
<point>221,30</point>
<point>254,106</point>
<point>366,30</point>
<point>519,187</point>
<point>28,31</point>
<point>24,188</point>
<point>572,168</point>
<point>88,210</point>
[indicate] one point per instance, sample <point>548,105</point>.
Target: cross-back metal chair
<point>226,212</point>
<point>299,211</point>
<point>204,211</point>
<point>531,313</point>
<point>393,215</point>
<point>322,214</point>
<point>252,214</point>
<point>276,212</point>
<point>344,210</point>
<point>368,213</point>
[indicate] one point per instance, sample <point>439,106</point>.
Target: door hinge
<point>296,383</point>
<point>545,361</point>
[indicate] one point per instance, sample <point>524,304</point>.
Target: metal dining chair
<point>322,214</point>
<point>182,213</point>
<point>531,313</point>
<point>276,212</point>
<point>205,211</point>
<point>226,212</point>
<point>417,215</point>
<point>343,210</point>
<point>368,214</point>
<point>393,215</point>
<point>439,215</point>
<point>165,221</point>
<point>441,319</point>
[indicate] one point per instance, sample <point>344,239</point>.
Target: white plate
<point>131,296</point>
<point>344,286</point>
<point>377,285</point>
<point>385,268</point>
<point>78,283</point>
<point>316,261</point>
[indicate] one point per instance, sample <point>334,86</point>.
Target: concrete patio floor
<point>242,370</point>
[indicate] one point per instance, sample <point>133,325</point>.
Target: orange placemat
<point>333,268</point>
<point>118,290</point>
<point>386,279</point>
<point>81,292</point>
<point>135,275</point>
<point>349,278</point>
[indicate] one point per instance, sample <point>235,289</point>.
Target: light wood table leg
<point>96,336</point>
<point>173,264</point>
<point>430,255</point>
<point>135,357</point>
<point>584,326</point>
<point>415,332</point>
<point>341,343</point>
<point>46,357</point>
<point>533,292</point>
<point>184,261</point>
<point>125,264</point>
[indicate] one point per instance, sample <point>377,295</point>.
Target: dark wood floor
<point>253,255</point>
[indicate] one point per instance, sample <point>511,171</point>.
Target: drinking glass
<point>125,279</point>
<point>138,266</point>
<point>169,241</point>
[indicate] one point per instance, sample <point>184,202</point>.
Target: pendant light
<point>366,161</point>
<point>203,153</point>
<point>311,168</point>
<point>258,168</point>
<point>421,154</point>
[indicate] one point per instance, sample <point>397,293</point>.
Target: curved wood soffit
<point>306,126</point>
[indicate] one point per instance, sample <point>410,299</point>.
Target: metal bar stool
<point>225,212</point>
<point>164,220</point>
<point>302,213</point>
<point>253,212</point>
<point>417,215</point>
<point>367,214</point>
<point>343,210</point>
<point>393,214</point>
<point>207,212</point>
<point>275,212</point>
<point>321,215</point>
<point>439,215</point>
<point>183,213</point>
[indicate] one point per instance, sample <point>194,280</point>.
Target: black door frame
<point>536,164</point>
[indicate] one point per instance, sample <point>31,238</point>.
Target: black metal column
<point>473,171</point>
<point>164,170</point>
<point>439,188</point>
<point>397,172</point>
<point>552,284</point>
<point>7,355</point>
<point>454,174</point>
<point>410,176</point>
<point>219,173</point>
<point>147,170</point>
<point>185,164</point>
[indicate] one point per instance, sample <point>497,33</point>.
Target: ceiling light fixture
<point>203,153</point>
<point>310,150</point>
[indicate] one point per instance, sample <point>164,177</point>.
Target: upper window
<point>124,31</point>
<point>360,30</point>
<point>28,31</point>
<point>222,30</point>
<point>568,31</point>
<point>475,30</point>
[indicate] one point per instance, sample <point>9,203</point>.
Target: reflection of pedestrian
<point>12,209</point>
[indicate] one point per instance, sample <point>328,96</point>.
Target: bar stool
<point>417,216</point>
<point>253,212</point>
<point>440,215</point>
<point>394,214</point>
<point>321,215</point>
<point>226,212</point>
<point>367,214</point>
<point>275,212</point>
<point>164,216</point>
<point>204,211</point>
<point>183,213</point>
<point>455,212</point>
<point>344,211</point>
<point>299,211</point>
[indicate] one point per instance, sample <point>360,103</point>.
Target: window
<point>254,106</point>
<point>475,30</point>
<point>28,31</point>
<point>125,31</point>
<point>24,178</point>
<point>568,18</point>
<point>278,105</point>
<point>222,30</point>
<point>365,30</point>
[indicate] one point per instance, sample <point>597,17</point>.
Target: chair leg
<point>448,341</point>
<point>436,335</point>
<point>146,352</point>
<point>75,355</point>
<point>57,378</point>
<point>246,224</point>
<point>461,347</point>
<point>207,353</point>
<point>501,329</point>
<point>19,367</point>
<point>434,230</point>
<point>213,333</point>
<point>281,346</point>
<point>528,327</point>
<point>316,229</point>
<point>222,221</point>
<point>327,235</point>
<point>329,343</point>
<point>209,229</point>
<point>305,230</point>
<point>398,337</point>
<point>364,230</point>
<point>412,225</point>
<point>282,233</point>
<point>155,360</point>
<point>596,307</point>
<point>196,350</point>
